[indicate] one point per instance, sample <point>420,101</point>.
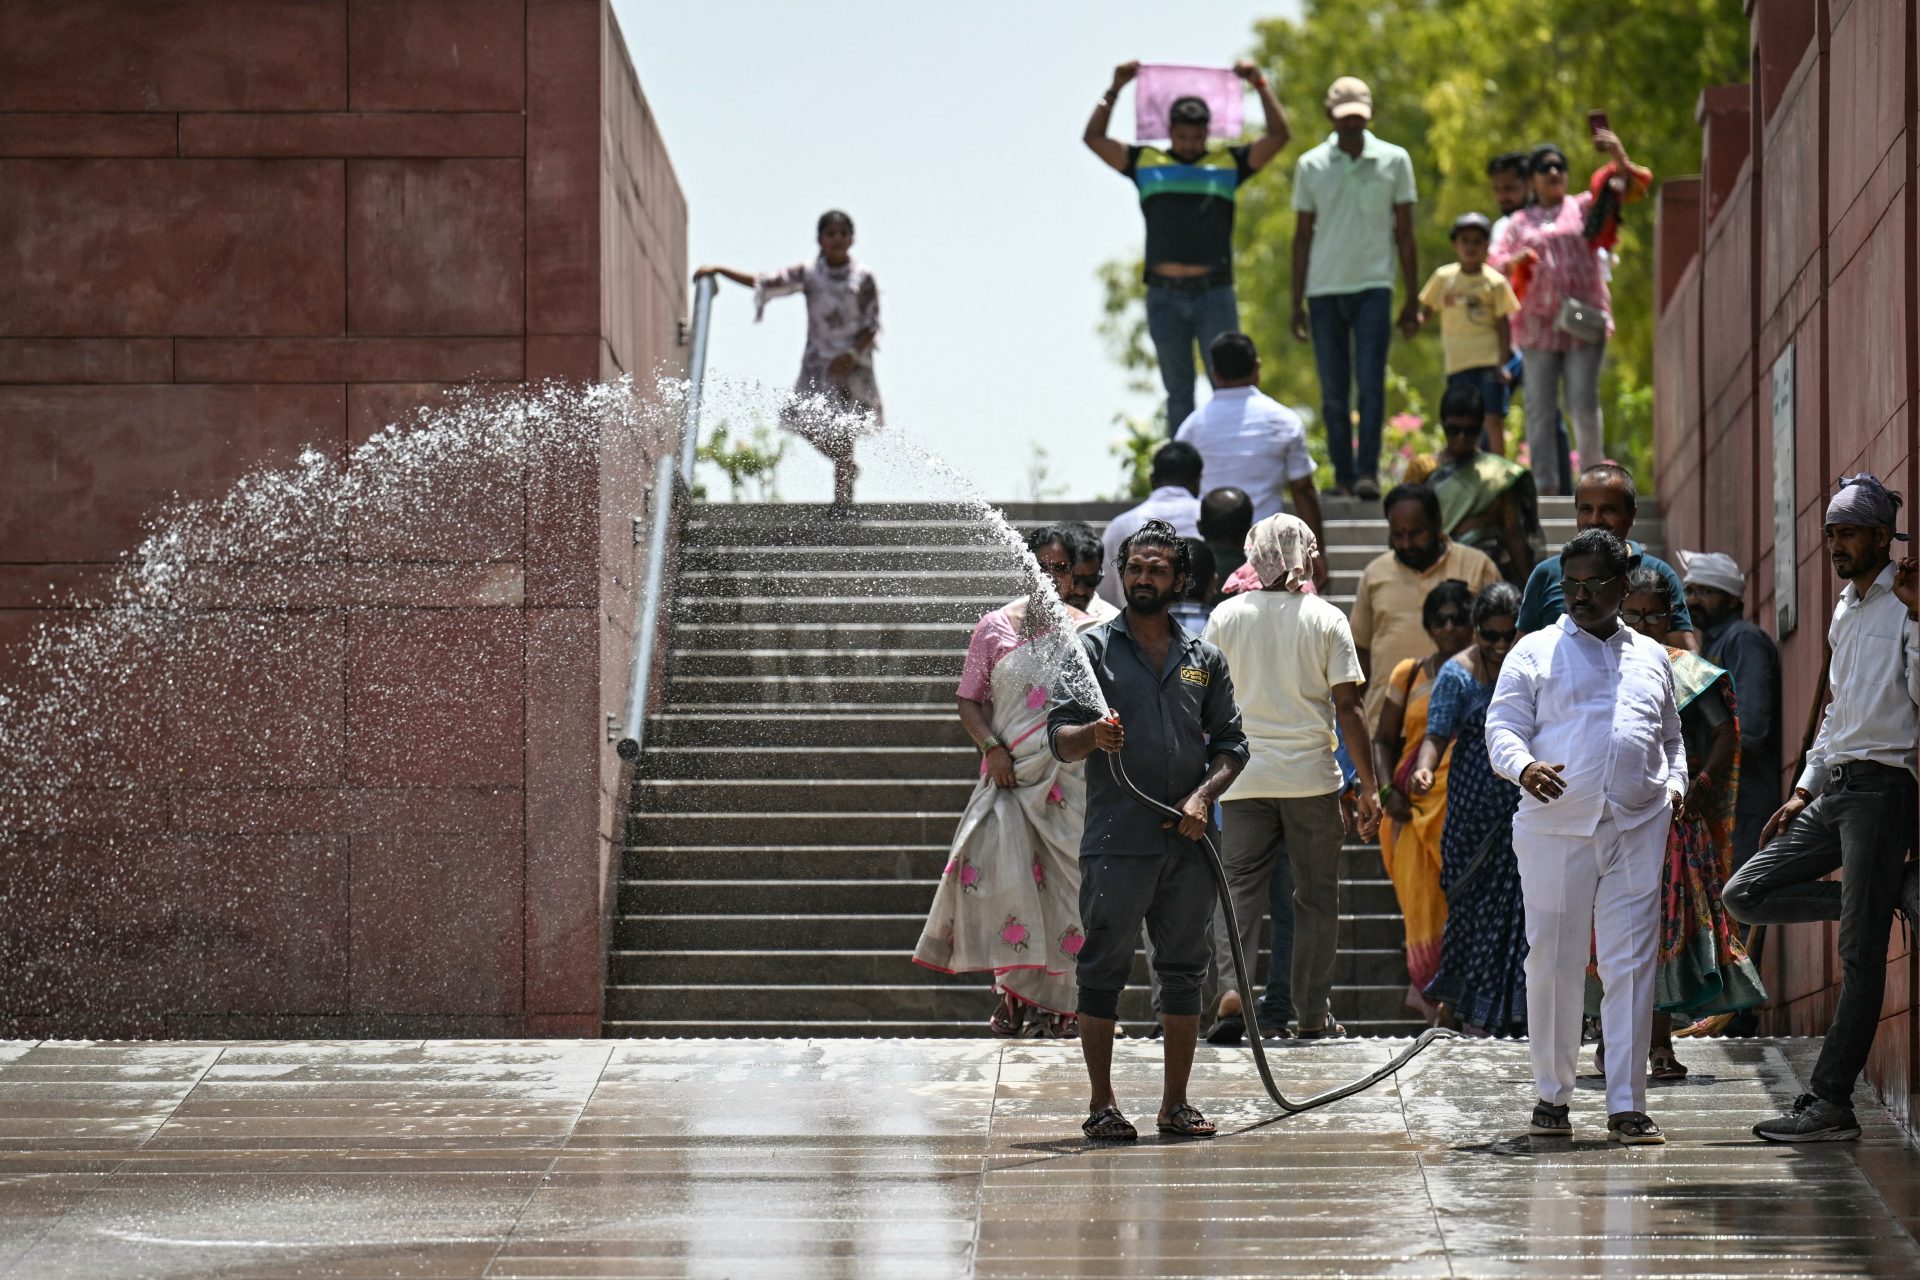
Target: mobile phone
<point>1596,121</point>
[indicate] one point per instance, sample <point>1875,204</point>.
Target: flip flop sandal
<point>1663,1065</point>
<point>1228,1028</point>
<point>1187,1122</point>
<point>1108,1125</point>
<point>1634,1129</point>
<point>1332,1031</point>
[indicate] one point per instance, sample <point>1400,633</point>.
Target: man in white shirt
<point>1248,440</point>
<point>1175,498</point>
<point>1852,808</point>
<point>1585,719</point>
<point>1298,671</point>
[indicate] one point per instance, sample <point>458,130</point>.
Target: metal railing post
<point>671,487</point>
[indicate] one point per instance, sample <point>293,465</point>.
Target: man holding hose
<point>1175,727</point>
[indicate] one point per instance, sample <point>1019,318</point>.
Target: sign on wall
<point>1786,555</point>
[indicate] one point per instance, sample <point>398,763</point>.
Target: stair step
<point>836,664</point>
<point>810,760</point>
<point>1353,969</point>
<point>807,726</point>
<point>1359,868</point>
<point>950,636</point>
<point>963,995</point>
<point>760,896</point>
<point>823,795</point>
<point>812,584</point>
<point>1135,1022</point>
<point>947,607</point>
<point>865,931</point>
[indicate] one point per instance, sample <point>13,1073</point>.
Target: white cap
<point>1349,96</point>
<point>1714,569</point>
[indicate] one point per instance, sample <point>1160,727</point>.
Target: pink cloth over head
<point>1280,549</point>
<point>1159,84</point>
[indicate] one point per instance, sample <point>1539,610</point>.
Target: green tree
<point>1455,82</point>
<point>751,461</point>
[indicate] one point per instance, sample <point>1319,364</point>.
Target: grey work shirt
<point>1176,721</point>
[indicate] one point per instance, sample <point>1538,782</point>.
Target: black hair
<point>1045,536</point>
<point>1649,579</point>
<point>1081,541</point>
<point>830,217</point>
<point>1600,544</point>
<point>1514,162</point>
<point>1226,515</point>
<point>1538,156</point>
<point>1496,600</point>
<point>1462,400</point>
<point>1451,592</point>
<point>1190,110</point>
<point>1615,472</point>
<point>1232,356</point>
<point>1200,581</point>
<point>1421,493</point>
<point>1158,533</point>
<point>1176,463</point>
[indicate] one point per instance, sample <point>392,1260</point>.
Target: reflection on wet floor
<point>867,1158</point>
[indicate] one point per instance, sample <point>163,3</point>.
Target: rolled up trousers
<point>1595,896</point>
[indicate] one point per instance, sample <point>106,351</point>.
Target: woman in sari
<point>1703,967</point>
<point>1481,982</point>
<point>1487,502</point>
<point>1008,902</point>
<point>1410,835</point>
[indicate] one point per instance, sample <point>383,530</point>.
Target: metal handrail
<point>671,489</point>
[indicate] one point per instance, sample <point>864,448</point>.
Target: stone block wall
<point>232,230</point>
<point>1803,238</point>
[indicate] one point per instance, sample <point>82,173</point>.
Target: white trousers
<point>1601,891</point>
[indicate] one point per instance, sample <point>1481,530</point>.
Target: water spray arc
<point>1286,1104</point>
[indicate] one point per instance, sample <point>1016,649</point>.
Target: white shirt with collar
<point>1604,708</point>
<point>1874,645</point>
<point>1170,502</point>
<point>1248,440</point>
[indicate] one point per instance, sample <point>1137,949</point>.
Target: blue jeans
<point>1177,320</point>
<point>1350,336</point>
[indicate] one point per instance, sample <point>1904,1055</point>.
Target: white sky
<point>951,133</point>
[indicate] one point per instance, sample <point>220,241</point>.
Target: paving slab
<point>911,1158</point>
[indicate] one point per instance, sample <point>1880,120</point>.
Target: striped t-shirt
<point>1189,206</point>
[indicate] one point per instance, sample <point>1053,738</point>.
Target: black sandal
<point>1634,1129</point>
<point>1187,1122</point>
<point>1108,1125</point>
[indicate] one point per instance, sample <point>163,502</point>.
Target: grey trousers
<point>1307,831</point>
<point>1579,370</point>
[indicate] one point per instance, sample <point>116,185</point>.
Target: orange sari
<point>1411,852</point>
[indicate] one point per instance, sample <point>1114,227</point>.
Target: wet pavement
<point>867,1158</point>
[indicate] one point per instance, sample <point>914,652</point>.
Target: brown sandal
<point>1187,1122</point>
<point>1108,1125</point>
<point>1663,1065</point>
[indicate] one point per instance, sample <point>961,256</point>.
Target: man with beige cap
<point>1716,592</point>
<point>1353,196</point>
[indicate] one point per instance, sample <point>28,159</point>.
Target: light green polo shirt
<point>1352,201</point>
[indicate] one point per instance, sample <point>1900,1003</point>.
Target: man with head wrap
<point>1853,806</point>
<point>1716,590</point>
<point>1296,671</point>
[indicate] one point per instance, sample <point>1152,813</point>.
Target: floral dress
<point>843,303</point>
<point>1008,902</point>
<point>1484,947</point>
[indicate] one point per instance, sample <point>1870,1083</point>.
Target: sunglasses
<point>1493,635</point>
<point>1586,586</point>
<point>1449,619</point>
<point>1460,428</point>
<point>1633,617</point>
<point>1551,166</point>
<point>1057,569</point>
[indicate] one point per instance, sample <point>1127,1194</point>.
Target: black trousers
<point>1863,824</point>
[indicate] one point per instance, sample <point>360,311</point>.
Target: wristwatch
<point>990,744</point>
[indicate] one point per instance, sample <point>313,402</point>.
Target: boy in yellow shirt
<point>1473,302</point>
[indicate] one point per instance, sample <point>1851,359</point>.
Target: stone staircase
<point>805,772</point>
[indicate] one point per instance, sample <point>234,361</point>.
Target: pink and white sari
<point>1009,900</point>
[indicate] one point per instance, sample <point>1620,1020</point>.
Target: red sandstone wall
<point>1806,237</point>
<point>232,229</point>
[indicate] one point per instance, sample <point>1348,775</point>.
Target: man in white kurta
<point>1584,718</point>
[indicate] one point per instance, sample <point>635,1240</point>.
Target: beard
<point>1419,559</point>
<point>1144,599</point>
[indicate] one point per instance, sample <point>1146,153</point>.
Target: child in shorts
<point>1474,302</point>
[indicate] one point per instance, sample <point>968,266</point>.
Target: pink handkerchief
<point>1159,84</point>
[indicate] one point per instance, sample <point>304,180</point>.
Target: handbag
<point>1582,320</point>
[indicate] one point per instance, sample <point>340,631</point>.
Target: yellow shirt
<point>1470,308</point>
<point>1386,610</point>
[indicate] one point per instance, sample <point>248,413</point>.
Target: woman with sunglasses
<point>1703,968</point>
<point>1008,902</point>
<point>1410,836</point>
<point>1487,502</point>
<point>1480,980</point>
<point>1565,316</point>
